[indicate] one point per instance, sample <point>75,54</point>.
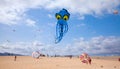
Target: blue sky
<point>27,26</point>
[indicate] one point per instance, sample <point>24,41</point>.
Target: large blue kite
<point>62,26</point>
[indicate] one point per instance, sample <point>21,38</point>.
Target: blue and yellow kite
<point>62,26</point>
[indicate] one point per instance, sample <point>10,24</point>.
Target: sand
<point>27,62</point>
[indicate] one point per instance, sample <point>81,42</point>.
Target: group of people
<point>85,58</point>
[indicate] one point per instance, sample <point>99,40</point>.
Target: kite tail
<point>61,29</point>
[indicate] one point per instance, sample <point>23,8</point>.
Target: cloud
<point>11,12</point>
<point>37,43</point>
<point>81,25</point>
<point>50,16</point>
<point>83,7</point>
<point>25,48</point>
<point>99,45</point>
<point>81,18</point>
<point>30,22</point>
<point>51,24</point>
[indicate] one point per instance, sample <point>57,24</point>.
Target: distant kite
<point>8,41</point>
<point>115,11</point>
<point>85,58</point>
<point>13,30</point>
<point>36,54</point>
<point>62,26</point>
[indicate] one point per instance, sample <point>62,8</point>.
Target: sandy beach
<point>27,62</point>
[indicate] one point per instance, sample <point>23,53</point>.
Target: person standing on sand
<point>15,58</point>
<point>119,59</point>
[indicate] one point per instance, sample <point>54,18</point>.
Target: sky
<point>30,25</point>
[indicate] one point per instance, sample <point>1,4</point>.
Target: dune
<point>27,62</point>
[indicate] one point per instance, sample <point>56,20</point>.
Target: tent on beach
<point>36,54</point>
<point>85,58</point>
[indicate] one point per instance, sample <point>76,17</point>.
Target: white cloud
<point>30,22</point>
<point>25,48</point>
<point>37,43</point>
<point>11,12</point>
<point>51,24</point>
<point>84,7</point>
<point>95,46</point>
<point>50,16</point>
<point>81,25</point>
<point>81,18</point>
<point>99,45</point>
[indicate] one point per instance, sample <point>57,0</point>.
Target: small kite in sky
<point>115,11</point>
<point>13,30</point>
<point>8,41</point>
<point>62,26</point>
